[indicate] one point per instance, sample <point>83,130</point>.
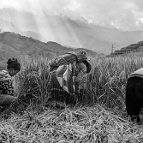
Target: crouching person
<point>134,95</point>
<point>64,78</point>
<point>7,96</point>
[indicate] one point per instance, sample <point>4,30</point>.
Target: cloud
<point>13,4</point>
<point>73,6</point>
<point>122,14</point>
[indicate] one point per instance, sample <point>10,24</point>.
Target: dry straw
<point>77,125</point>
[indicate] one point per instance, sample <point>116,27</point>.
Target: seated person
<point>6,86</point>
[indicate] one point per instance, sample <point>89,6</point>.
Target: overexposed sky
<point>122,14</point>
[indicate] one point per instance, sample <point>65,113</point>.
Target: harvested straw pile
<point>78,125</point>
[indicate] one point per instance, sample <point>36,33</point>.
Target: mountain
<point>101,39</point>
<point>32,35</point>
<point>16,45</point>
<point>136,48</point>
<point>65,30</point>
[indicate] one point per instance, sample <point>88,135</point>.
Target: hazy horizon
<point>45,19</point>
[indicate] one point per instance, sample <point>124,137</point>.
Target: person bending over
<point>64,83</point>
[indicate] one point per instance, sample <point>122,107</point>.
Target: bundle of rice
<point>68,58</point>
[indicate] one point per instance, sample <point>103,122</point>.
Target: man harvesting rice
<point>65,75</point>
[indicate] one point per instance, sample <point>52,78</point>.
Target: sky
<point>46,20</point>
<point>121,14</point>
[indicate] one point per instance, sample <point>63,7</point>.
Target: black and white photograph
<point>71,71</point>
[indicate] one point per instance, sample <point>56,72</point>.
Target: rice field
<point>99,118</point>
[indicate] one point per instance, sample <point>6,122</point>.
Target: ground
<point>76,125</point>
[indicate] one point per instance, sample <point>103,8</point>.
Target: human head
<point>84,67</point>
<point>88,66</point>
<point>13,66</point>
<point>81,56</point>
<point>81,67</point>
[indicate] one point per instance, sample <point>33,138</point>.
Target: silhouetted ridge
<point>13,44</point>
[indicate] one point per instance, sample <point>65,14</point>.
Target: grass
<point>107,81</point>
<point>101,116</point>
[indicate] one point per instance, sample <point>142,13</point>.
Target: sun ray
<point>41,20</point>
<point>56,27</point>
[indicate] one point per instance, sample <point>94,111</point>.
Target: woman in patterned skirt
<point>6,86</point>
<point>64,84</point>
